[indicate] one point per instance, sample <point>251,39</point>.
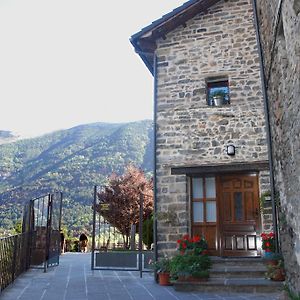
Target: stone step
<point>244,275</point>
<point>231,285</point>
<point>220,271</point>
<point>242,262</point>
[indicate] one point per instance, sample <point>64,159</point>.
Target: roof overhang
<point>238,167</point>
<point>144,41</point>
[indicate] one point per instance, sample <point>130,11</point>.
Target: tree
<point>148,232</point>
<point>122,196</point>
<point>18,227</point>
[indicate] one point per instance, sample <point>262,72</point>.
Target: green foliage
<point>268,241</point>
<point>218,93</point>
<point>162,265</point>
<point>192,245</point>
<point>148,232</point>
<point>192,260</point>
<point>18,227</point>
<point>72,161</point>
<point>190,265</point>
<point>291,294</point>
<point>275,271</point>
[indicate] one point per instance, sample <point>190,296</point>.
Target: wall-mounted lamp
<point>230,150</point>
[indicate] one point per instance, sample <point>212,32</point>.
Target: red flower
<point>268,241</point>
<point>185,237</point>
<point>183,245</point>
<point>196,239</point>
<point>178,241</point>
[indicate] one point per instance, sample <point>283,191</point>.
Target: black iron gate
<point>38,245</point>
<point>110,250</point>
<point>42,218</point>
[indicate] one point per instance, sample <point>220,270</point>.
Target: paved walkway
<point>74,280</point>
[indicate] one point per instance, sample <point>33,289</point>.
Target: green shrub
<point>190,265</point>
<point>148,232</point>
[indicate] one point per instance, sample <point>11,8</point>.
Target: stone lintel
<point>254,166</point>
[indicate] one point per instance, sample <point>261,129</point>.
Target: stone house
<point>279,24</point>
<point>211,152</point>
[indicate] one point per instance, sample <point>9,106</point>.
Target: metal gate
<point>42,218</point>
<point>110,250</point>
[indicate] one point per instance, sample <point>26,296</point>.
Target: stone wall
<point>281,48</point>
<point>220,42</point>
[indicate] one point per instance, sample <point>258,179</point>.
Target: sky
<point>70,62</point>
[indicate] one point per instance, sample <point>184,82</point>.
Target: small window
<point>204,202</point>
<point>217,92</point>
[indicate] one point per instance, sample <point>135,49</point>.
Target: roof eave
<point>142,55</point>
<point>166,24</point>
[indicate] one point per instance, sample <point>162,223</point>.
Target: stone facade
<point>280,36</point>
<point>220,42</point>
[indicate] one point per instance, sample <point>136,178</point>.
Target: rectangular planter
<point>122,259</point>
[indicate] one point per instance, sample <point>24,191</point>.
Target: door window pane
<point>210,186</point>
<point>238,206</point>
<point>197,188</point>
<point>198,211</point>
<point>211,211</point>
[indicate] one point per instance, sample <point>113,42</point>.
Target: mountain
<point>71,161</point>
<point>7,137</point>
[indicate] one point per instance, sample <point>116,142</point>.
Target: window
<point>217,92</point>
<point>204,206</point>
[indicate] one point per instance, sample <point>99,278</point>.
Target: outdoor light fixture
<point>230,150</point>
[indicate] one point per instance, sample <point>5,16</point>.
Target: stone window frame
<point>217,82</point>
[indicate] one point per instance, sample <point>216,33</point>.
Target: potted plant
<point>190,267</point>
<point>162,267</point>
<point>268,244</point>
<point>217,97</point>
<point>193,263</point>
<point>276,271</point>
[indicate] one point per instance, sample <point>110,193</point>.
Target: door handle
<point>257,212</point>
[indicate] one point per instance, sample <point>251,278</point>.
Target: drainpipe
<point>154,158</point>
<point>268,128</point>
<point>139,51</point>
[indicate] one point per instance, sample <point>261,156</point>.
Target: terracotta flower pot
<point>164,278</point>
<point>272,262</point>
<point>278,275</point>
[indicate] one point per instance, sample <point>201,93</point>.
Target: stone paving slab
<point>74,280</point>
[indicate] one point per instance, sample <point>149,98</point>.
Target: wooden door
<point>239,215</point>
<point>204,211</point>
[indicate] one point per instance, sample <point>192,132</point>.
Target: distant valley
<point>71,161</point>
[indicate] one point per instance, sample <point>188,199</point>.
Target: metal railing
<point>14,257</point>
<point>38,245</point>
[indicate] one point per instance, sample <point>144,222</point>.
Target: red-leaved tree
<point>123,196</point>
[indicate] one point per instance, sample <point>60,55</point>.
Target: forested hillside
<point>71,161</point>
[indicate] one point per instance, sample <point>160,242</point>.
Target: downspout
<point>276,25</point>
<point>268,128</point>
<point>154,158</point>
<point>154,73</point>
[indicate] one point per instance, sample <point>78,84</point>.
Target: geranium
<point>192,245</point>
<point>268,241</point>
